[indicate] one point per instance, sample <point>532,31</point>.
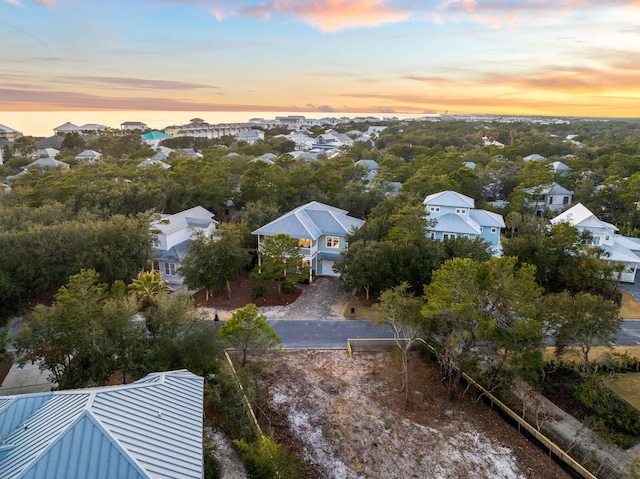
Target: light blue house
<point>455,217</point>
<point>149,429</point>
<point>320,230</point>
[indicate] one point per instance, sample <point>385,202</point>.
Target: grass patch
<point>627,386</point>
<point>575,355</point>
<point>629,307</point>
<point>362,311</point>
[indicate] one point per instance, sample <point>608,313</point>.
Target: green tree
<point>63,338</point>
<point>147,287</point>
<point>280,257</point>
<point>24,146</point>
<point>467,301</point>
<point>581,321</point>
<point>214,263</point>
<point>247,329</point>
<point>401,311</point>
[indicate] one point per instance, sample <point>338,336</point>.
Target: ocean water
<point>42,123</point>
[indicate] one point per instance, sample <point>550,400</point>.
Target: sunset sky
<point>544,57</point>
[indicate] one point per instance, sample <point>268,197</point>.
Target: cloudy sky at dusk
<point>543,57</point>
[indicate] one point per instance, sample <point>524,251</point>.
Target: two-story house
<point>618,249</point>
<point>320,230</point>
<point>454,216</point>
<point>174,233</point>
<point>553,197</point>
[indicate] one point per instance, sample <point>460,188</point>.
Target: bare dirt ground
<point>348,419</point>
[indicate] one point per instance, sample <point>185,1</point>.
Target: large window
<point>304,243</point>
<point>170,268</point>
<point>565,200</point>
<point>333,242</point>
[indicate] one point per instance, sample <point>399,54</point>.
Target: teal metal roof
<point>148,429</point>
<point>155,135</point>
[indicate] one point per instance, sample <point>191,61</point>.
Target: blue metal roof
<point>149,429</point>
<point>311,221</point>
<point>453,223</point>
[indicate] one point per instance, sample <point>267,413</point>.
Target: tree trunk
<point>244,356</point>
<point>366,292</point>
<point>405,375</point>
<point>228,290</point>
<point>206,295</point>
<point>279,287</point>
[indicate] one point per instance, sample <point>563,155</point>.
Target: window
<point>156,266</point>
<point>550,200</point>
<point>170,268</point>
<point>461,211</point>
<point>333,242</point>
<point>481,229</point>
<point>494,230</point>
<point>606,238</point>
<point>434,209</point>
<point>304,243</point>
<point>565,200</point>
<point>447,236</point>
<point>596,240</point>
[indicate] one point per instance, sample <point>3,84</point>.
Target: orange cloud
<point>332,15</point>
<point>315,75</point>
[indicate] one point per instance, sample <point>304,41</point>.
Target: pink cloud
<point>325,15</point>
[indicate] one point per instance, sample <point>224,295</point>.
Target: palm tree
<point>146,288</point>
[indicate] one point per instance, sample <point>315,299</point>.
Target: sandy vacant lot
<point>349,420</point>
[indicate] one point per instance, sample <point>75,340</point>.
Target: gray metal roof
<point>148,429</point>
<point>311,221</point>
<point>184,219</point>
<point>174,254</point>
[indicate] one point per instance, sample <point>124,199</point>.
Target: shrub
<point>288,287</point>
<point>258,291</point>
<point>266,459</point>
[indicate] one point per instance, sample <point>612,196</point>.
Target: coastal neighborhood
<point>408,267</point>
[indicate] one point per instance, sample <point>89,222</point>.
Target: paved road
<point>629,334</point>
<point>301,334</point>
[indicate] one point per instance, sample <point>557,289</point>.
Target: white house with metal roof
<point>320,230</point>
<point>174,233</point>
<point>149,429</point>
<point>551,197</point>
<point>454,216</point>
<point>89,155</point>
<point>9,133</point>
<point>618,249</point>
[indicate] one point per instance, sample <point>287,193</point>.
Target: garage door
<point>327,268</point>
